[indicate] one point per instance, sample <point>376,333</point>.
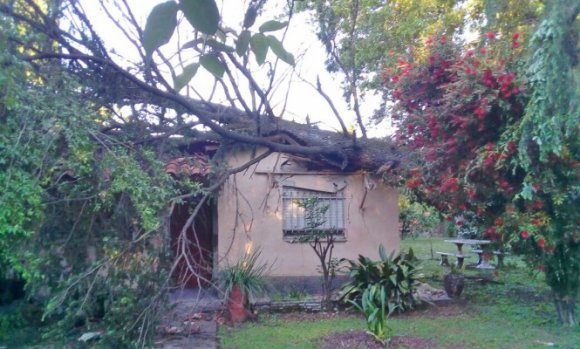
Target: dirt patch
<point>361,340</point>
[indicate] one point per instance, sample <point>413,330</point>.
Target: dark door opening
<point>193,250</point>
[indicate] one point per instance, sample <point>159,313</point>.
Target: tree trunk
<point>566,309</point>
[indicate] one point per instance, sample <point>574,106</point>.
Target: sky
<point>301,40</point>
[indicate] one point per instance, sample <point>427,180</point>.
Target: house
<point>257,208</point>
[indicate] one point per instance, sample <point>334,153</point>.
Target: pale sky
<point>301,40</point>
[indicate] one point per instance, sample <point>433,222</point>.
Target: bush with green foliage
<point>417,218</point>
<point>397,276</point>
<point>81,211</point>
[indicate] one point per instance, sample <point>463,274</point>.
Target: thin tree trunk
<point>566,309</point>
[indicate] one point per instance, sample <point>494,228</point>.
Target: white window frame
<point>294,218</point>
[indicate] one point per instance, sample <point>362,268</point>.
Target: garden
<point>507,308</point>
<point>115,115</point>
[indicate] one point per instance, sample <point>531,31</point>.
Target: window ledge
<point>297,240</point>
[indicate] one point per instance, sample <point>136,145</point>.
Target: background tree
<point>362,38</point>
<point>491,144</point>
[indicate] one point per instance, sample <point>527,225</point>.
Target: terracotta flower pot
<point>453,284</point>
<point>237,301</point>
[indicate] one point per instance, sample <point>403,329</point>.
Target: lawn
<point>514,310</point>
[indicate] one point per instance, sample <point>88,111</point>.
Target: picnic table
<point>483,262</point>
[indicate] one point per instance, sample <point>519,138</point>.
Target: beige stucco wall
<point>249,210</point>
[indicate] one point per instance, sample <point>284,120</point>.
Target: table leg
<point>485,261</point>
<point>460,262</point>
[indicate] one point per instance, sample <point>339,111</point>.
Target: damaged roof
<point>352,154</point>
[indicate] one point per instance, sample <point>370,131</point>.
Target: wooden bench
<point>445,258</point>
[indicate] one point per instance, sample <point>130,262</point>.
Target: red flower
<point>395,79</point>
<point>443,39</point>
<point>488,161</point>
<point>515,44</point>
<point>516,36</point>
<point>512,147</point>
<point>541,243</point>
<point>489,146</point>
<point>524,234</point>
<point>480,112</point>
<point>498,222</point>
<point>483,50</point>
<point>413,184</point>
<point>490,35</point>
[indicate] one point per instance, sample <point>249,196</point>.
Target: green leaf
<point>271,26</point>
<point>279,50</point>
<point>185,77</point>
<point>213,65</point>
<point>250,17</point>
<point>243,42</point>
<point>259,45</point>
<point>203,15</point>
<point>382,252</point>
<point>160,26</point>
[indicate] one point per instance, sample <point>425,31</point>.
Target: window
<point>294,218</point>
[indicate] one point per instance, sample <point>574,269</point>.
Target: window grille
<point>294,218</point>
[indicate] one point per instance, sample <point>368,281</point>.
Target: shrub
<point>396,276</point>
<point>247,273</point>
<point>374,305</point>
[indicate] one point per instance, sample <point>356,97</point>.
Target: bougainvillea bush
<point>494,132</point>
<point>454,109</point>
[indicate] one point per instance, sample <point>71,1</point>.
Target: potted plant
<point>454,282</point>
<point>241,282</point>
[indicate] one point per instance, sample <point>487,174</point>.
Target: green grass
<point>512,311</point>
<point>274,333</point>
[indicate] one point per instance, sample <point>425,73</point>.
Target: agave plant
<point>247,274</point>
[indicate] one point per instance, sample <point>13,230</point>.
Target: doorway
<point>195,250</point>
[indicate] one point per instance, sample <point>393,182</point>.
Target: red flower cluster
<point>451,185</point>
<point>506,81</point>
<point>524,234</point>
<point>415,181</point>
<point>492,234</point>
<point>515,42</point>
<point>541,243</point>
